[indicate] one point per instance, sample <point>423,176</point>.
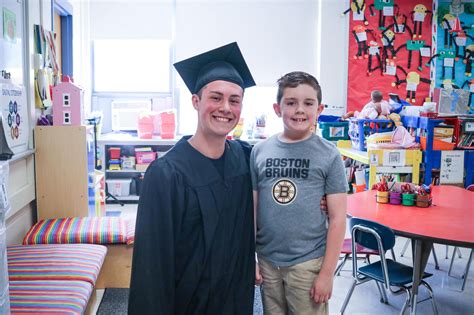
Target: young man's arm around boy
<point>322,287</point>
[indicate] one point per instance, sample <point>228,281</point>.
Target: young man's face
<point>218,108</point>
<point>299,110</point>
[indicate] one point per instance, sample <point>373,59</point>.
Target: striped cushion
<point>55,262</point>
<point>93,230</point>
<point>49,297</point>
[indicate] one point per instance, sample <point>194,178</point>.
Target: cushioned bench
<point>55,262</point>
<point>49,297</point>
<point>114,232</point>
<point>51,278</point>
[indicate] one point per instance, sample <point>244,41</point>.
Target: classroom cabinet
<point>67,183</point>
<point>123,177</point>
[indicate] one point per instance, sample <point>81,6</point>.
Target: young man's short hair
<point>293,79</point>
<point>376,96</point>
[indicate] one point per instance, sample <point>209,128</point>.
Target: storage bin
<point>145,126</point>
<point>358,188</point>
<point>166,124</point>
<point>128,162</point>
<point>4,294</point>
<point>145,157</point>
<point>334,131</point>
<point>119,187</point>
<point>360,129</point>
<point>5,299</point>
<point>437,144</point>
<point>114,153</point>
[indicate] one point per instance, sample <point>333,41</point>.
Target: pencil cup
<point>423,201</point>
<point>382,196</point>
<point>408,199</point>
<point>395,198</point>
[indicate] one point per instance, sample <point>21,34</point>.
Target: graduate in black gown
<point>194,239</point>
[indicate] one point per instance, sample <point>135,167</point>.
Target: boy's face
<point>218,108</point>
<point>299,109</point>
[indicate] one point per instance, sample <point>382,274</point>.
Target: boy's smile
<point>299,109</point>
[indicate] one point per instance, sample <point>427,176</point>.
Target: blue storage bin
<point>328,118</point>
<point>410,121</point>
<point>334,131</point>
<point>360,129</point>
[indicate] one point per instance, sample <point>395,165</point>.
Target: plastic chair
<point>346,250</point>
<point>386,272</point>
<point>466,271</point>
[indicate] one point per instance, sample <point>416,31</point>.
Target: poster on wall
<point>389,47</point>
<point>452,167</point>
<point>455,50</point>
<point>14,116</point>
<point>9,25</point>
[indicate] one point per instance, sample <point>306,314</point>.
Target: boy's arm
<point>322,286</point>
<point>258,276</point>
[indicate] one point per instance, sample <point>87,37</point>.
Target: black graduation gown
<point>194,242</point>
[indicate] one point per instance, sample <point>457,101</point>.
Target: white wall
<point>21,186</point>
<point>332,46</point>
<point>123,19</point>
<point>275,36</point>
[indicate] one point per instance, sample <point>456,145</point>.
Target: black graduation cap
<point>224,63</point>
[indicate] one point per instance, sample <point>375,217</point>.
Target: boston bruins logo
<point>284,191</point>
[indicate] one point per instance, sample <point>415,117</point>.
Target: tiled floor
<point>365,299</point>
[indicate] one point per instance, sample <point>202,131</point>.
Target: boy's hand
<point>258,275</point>
<point>323,204</point>
<point>322,288</point>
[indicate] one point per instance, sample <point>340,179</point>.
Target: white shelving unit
<point>127,144</point>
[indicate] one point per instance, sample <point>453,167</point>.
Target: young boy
<point>297,243</point>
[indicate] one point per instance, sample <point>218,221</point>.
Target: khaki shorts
<point>286,290</point>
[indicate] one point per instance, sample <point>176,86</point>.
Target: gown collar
<point>199,169</point>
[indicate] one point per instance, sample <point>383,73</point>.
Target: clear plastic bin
<point>4,292</point>
<point>119,187</point>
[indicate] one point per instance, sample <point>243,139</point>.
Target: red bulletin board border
<point>360,83</point>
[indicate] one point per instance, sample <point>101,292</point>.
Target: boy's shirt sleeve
<point>336,181</point>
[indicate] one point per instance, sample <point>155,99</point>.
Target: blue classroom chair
<point>386,273</point>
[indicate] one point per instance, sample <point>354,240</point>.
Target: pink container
<point>166,124</point>
<point>395,198</point>
<point>145,157</point>
<point>145,127</point>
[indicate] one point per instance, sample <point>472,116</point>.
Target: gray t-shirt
<point>291,179</point>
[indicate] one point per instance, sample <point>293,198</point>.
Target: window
<point>131,65</point>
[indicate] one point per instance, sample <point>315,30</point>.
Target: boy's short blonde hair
<point>293,79</point>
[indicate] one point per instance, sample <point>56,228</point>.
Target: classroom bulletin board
<point>383,35</point>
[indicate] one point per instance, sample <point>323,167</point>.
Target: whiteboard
<point>11,39</point>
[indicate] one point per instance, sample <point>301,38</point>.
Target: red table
<point>450,220</point>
